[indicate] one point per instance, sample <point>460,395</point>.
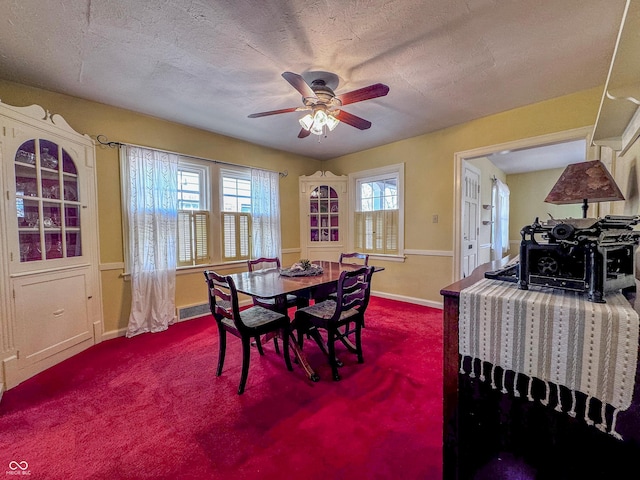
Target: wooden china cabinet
<point>50,305</point>
<point>323,218</point>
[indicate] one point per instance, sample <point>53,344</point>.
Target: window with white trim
<point>378,210</point>
<point>236,215</point>
<point>214,210</point>
<point>193,215</point>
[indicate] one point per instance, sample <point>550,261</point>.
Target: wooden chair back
<point>354,258</point>
<point>223,301</point>
<point>263,262</point>
<point>354,289</point>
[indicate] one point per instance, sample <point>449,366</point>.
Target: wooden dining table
<point>270,283</point>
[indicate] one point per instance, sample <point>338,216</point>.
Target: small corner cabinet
<point>323,221</point>
<point>50,305</point>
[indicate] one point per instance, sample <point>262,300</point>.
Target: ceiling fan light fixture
<point>319,97</point>
<point>319,117</point>
<point>306,121</point>
<point>316,124</point>
<point>317,129</point>
<point>332,122</point>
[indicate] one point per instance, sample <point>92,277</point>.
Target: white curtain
<point>265,214</point>
<point>501,219</point>
<point>151,207</point>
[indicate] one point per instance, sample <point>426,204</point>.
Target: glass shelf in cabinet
<point>25,170</point>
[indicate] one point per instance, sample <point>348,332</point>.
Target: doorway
<point>495,151</point>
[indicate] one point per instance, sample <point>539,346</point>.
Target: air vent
<point>193,311</point>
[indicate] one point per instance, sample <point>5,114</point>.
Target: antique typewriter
<point>587,255</point>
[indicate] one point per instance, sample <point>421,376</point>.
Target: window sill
<point>219,267</point>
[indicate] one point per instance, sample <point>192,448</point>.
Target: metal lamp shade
<point>583,182</point>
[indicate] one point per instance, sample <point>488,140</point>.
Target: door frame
<point>593,153</point>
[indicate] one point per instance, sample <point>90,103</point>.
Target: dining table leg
<point>300,357</point>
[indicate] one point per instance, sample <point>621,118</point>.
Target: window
<point>378,214</point>
<point>500,217</point>
<point>190,187</point>
<point>236,215</point>
<point>193,215</point>
<point>216,212</point>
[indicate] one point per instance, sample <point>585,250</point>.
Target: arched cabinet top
<point>51,122</point>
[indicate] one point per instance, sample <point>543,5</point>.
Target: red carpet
<point>151,407</point>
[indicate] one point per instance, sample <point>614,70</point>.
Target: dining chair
<point>336,315</point>
<point>266,263</point>
<point>270,303</point>
<point>247,325</point>
<point>354,258</point>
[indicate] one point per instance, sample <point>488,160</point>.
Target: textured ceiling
<point>210,64</point>
<point>544,157</point>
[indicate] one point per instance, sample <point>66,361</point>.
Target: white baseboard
<point>404,298</point>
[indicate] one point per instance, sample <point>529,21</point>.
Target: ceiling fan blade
<point>353,120</point>
<point>299,84</point>
<point>274,112</point>
<point>365,93</point>
<point>303,133</point>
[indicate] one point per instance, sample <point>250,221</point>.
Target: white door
<point>470,217</point>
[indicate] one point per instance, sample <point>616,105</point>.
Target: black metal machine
<point>588,255</point>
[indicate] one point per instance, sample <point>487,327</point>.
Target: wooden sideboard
<point>488,434</point>
<point>451,365</point>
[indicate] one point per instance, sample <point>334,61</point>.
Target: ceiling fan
<point>324,105</point>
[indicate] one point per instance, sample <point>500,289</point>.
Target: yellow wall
<point>125,126</point>
<point>429,182</point>
<point>526,201</point>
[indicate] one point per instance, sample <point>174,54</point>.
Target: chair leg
<point>246,355</point>
<point>301,329</point>
<point>359,326</point>
<point>259,345</point>
<point>332,355</point>
<point>285,348</point>
<point>275,345</point>
<point>222,348</point>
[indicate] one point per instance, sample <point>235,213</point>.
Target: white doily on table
<point>297,270</point>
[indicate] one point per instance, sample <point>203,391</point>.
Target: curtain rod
<point>103,140</point>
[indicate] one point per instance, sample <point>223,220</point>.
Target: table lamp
<point>583,182</point>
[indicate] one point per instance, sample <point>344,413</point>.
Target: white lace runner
<point>556,336</point>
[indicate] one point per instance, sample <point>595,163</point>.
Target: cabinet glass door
<point>47,202</point>
<point>324,225</point>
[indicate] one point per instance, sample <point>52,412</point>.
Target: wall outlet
<point>434,219</point>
